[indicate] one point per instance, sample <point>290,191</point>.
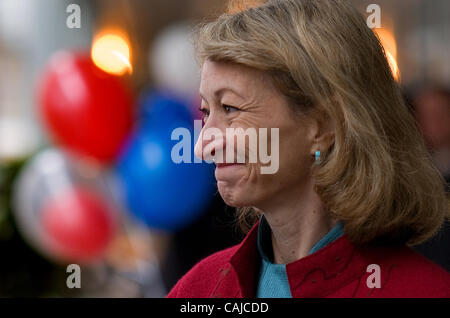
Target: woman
<point>355,184</point>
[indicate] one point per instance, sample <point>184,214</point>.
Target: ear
<point>323,133</point>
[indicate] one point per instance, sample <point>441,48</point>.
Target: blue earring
<point>317,156</point>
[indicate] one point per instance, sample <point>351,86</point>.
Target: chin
<point>234,185</point>
<point>235,196</point>
<point>232,195</point>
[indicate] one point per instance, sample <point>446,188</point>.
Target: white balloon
<point>31,189</point>
<point>173,61</point>
<point>49,174</point>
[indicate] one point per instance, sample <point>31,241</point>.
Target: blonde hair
<point>377,177</point>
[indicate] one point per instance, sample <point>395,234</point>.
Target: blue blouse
<point>273,280</point>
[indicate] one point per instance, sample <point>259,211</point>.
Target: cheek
<point>294,164</point>
<point>294,161</point>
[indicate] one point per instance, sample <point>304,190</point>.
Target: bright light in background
<point>393,64</point>
<point>390,46</point>
<point>111,53</point>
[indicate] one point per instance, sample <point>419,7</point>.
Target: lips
<point>224,165</point>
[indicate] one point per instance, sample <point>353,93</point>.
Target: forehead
<point>217,75</point>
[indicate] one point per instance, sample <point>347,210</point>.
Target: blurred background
<point>90,91</point>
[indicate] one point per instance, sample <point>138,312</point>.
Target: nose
<point>211,142</point>
<point>210,145</point>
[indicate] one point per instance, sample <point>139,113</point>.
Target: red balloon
<point>85,109</point>
<point>78,225</point>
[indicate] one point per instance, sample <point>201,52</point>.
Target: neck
<point>298,220</point>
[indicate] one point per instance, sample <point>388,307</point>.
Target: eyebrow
<point>221,91</point>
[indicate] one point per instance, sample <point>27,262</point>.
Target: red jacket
<point>340,269</point>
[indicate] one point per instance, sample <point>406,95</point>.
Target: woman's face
<point>235,96</point>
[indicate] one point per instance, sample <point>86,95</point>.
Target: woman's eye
<point>205,113</point>
<point>229,109</point>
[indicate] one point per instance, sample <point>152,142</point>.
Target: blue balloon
<point>164,108</point>
<point>164,194</point>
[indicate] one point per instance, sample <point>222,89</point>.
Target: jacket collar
<point>246,263</point>
<point>315,275</point>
